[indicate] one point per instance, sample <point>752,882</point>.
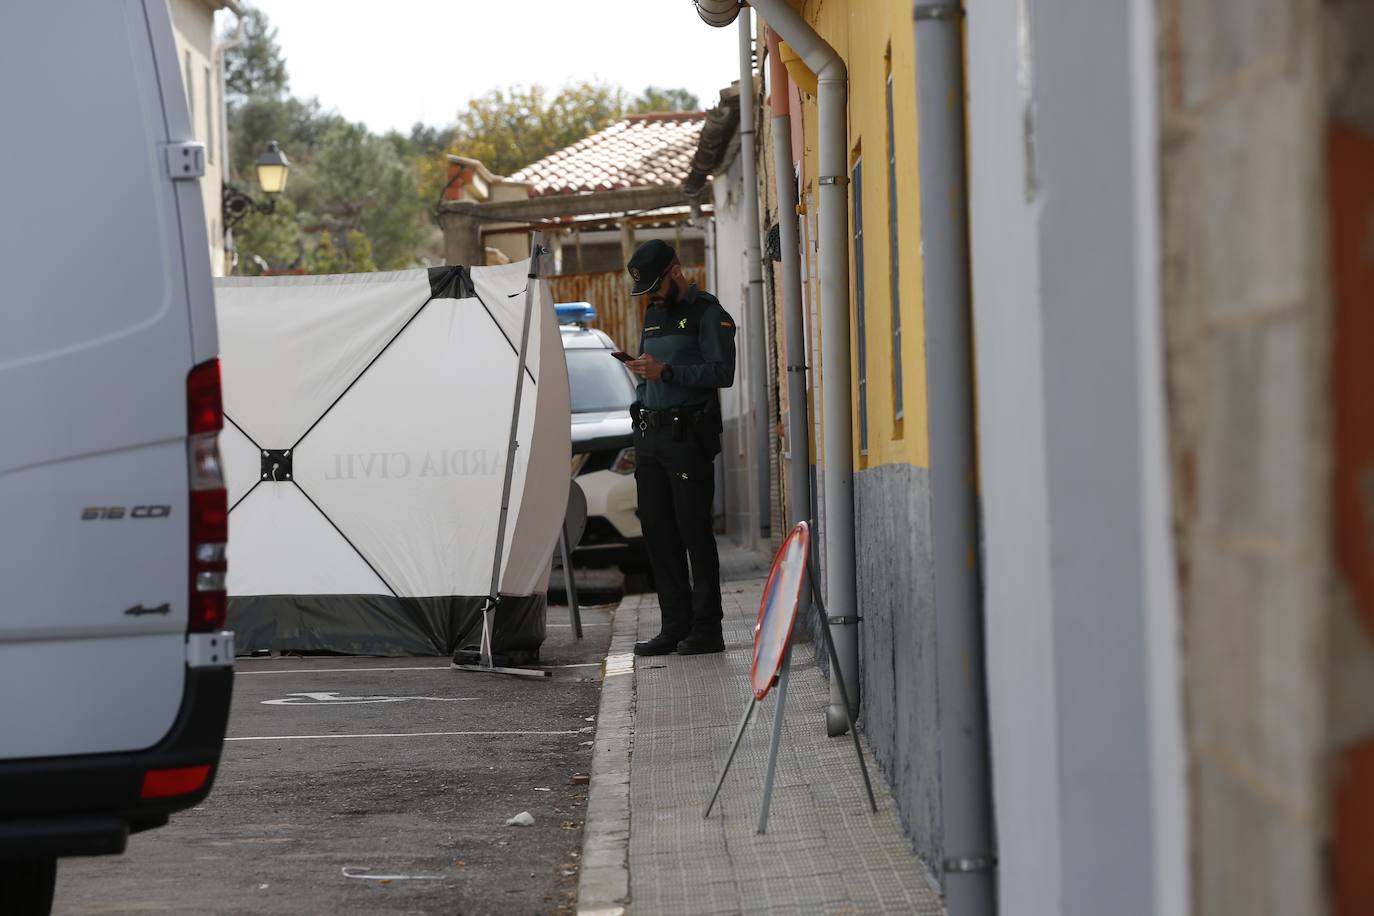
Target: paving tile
<point>825,851</point>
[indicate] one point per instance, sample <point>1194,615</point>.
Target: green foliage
<point>358,250</point>
<point>655,99</point>
<point>255,68</point>
<point>510,128</point>
<point>298,127</point>
<point>268,239</point>
<point>325,258</point>
<point>359,182</point>
<point>353,256</point>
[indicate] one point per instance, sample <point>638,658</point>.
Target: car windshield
<point>597,381</point>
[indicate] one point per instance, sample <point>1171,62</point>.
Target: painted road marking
<point>350,871</point>
<point>237,671</point>
<point>404,735</point>
<point>332,698</point>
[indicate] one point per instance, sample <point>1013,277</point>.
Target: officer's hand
<point>646,367</point>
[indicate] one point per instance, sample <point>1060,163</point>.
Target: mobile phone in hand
<point>622,356</point>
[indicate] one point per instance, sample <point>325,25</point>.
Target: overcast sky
<point>390,64</point>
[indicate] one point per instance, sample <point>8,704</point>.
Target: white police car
<point>603,455</point>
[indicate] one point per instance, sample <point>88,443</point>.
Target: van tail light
<point>172,782</point>
<point>209,499</point>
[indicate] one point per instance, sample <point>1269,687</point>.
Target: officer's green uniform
<point>677,436</point>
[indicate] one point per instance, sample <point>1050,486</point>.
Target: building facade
<point>1156,697</point>
<point>200,55</point>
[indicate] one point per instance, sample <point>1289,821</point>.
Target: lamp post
<point>272,167</point>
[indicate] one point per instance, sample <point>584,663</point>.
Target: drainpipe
<point>799,465</point>
<point>969,863</point>
<point>836,383</point>
<point>758,327</point>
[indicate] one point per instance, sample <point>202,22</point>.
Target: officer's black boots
<point>701,644</point>
<point>662,644</point>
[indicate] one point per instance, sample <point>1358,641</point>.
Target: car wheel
<point>26,886</point>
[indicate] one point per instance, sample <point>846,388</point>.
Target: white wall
<point>731,288</point>
<point>1018,615</point>
<point>193,26</point>
<point>1080,612</point>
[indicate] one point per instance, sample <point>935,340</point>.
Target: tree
<point>655,99</point>
<point>298,127</point>
<point>358,181</point>
<point>255,68</point>
<point>273,239</point>
<point>510,128</point>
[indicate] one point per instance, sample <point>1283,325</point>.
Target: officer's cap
<point>648,265</point>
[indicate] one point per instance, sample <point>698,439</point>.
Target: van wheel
<point>26,886</point>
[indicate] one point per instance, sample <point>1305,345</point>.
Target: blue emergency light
<point>575,312</point>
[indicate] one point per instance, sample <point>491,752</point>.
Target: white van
<point>115,674</point>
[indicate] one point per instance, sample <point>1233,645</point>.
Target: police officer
<point>687,352</point>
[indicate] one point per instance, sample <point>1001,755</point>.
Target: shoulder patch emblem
<point>726,324</point>
<point>682,323</point>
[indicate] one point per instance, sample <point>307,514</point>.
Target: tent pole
<point>574,611</point>
<point>487,662</point>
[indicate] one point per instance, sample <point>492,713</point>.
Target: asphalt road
<point>368,785</point>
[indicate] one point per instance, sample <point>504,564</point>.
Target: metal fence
<point>617,313</point>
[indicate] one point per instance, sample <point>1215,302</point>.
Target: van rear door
<point>106,308</point>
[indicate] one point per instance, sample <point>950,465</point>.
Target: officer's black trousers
<point>675,480</point>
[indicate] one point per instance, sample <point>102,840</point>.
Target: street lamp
<point>271,167</point>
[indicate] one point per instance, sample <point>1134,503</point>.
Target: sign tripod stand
<point>777,657</point>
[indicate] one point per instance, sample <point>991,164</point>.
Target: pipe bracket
<point>840,621</point>
<point>937,11</point>
<point>840,180</point>
<point>970,864</point>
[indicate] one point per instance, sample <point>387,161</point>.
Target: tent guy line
<point>347,540</point>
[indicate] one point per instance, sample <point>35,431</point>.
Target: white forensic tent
<point>365,445</point>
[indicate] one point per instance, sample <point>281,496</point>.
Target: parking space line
<point>406,735</point>
<point>238,671</point>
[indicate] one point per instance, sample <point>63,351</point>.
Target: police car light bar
<point>575,312</point>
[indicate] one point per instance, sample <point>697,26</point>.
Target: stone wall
<point>1241,121</point>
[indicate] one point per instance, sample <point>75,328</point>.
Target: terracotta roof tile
<point>641,151</point>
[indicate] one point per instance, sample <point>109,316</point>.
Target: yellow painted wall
<point>861,31</point>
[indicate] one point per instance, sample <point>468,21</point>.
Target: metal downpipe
<point>969,856</point>
<point>837,384</point>
<point>758,326</point>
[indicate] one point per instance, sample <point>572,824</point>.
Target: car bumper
<point>613,497</point>
<point>89,804</point>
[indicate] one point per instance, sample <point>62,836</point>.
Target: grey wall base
<point>900,712</point>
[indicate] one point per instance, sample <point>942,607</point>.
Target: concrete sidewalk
<point>662,735</point>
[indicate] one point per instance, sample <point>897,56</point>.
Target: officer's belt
<point>646,419</point>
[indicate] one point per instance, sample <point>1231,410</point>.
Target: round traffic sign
<point>778,608</point>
